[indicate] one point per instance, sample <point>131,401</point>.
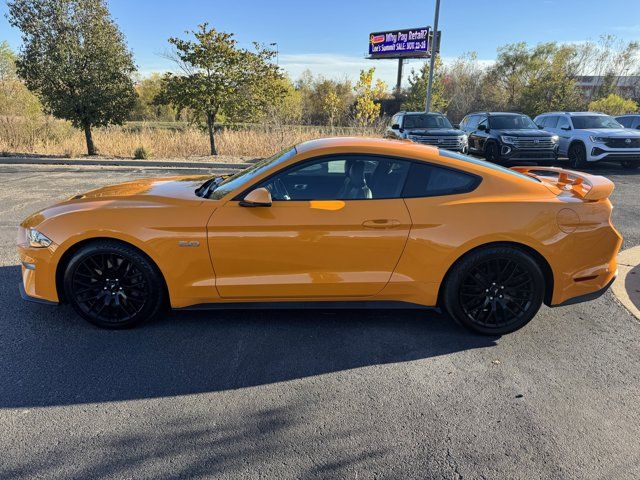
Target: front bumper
<point>600,152</point>
<point>509,152</point>
<point>38,273</point>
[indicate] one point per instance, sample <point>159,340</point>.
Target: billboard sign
<point>410,43</point>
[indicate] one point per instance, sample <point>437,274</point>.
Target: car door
<point>480,135</point>
<point>340,235</point>
<point>472,133</point>
<point>563,130</point>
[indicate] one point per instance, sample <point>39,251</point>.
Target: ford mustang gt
<point>350,222</point>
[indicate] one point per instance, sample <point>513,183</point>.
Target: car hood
<point>611,132</point>
<point>168,187</point>
<point>152,192</point>
<point>523,132</point>
<point>445,132</point>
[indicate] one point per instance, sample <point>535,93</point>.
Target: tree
<point>15,99</point>
<point>613,105</point>
<point>218,77</point>
<point>325,101</point>
<point>76,60</point>
<point>416,93</point>
<point>463,82</point>
<point>367,110</point>
<point>147,90</point>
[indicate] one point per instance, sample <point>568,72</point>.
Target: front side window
<point>626,122</point>
<point>349,177</point>
<point>563,122</point>
<point>581,122</point>
<point>552,122</point>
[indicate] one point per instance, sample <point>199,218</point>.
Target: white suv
<point>587,137</point>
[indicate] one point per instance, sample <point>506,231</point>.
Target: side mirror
<point>260,197</point>
<point>482,128</point>
<point>395,126</point>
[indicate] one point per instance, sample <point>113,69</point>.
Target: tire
<point>630,164</point>
<point>494,290</point>
<point>113,285</point>
<point>577,156</point>
<point>491,152</point>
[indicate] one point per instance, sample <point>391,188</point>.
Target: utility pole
<point>399,79</point>
<point>434,42</point>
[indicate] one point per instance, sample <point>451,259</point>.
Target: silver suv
<point>587,137</point>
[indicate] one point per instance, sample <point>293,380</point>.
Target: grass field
<point>46,136</point>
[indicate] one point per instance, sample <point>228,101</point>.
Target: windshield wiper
<point>207,187</point>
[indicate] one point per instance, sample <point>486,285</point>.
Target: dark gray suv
<point>427,128</point>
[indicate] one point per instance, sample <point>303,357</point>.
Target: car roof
<point>420,113</point>
<point>574,114</point>
<point>401,149</point>
<point>495,113</point>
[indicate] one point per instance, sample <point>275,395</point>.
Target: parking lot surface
<point>313,394</point>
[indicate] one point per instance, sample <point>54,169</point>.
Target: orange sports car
<point>334,222</point>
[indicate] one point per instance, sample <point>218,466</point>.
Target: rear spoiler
<point>585,186</point>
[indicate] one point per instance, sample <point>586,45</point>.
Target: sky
<point>330,36</point>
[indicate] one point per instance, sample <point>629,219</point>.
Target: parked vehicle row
<point>582,137</point>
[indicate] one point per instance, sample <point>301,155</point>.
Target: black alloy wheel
<point>577,156</point>
<point>496,290</point>
<point>491,152</point>
<point>112,285</point>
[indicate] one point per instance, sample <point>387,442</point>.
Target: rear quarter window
<point>425,180</point>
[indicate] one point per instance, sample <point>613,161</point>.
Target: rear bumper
<point>587,297</point>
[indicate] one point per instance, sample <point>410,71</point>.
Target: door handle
<point>381,223</point>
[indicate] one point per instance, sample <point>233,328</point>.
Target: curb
<point>120,163</point>
<point>626,288</point>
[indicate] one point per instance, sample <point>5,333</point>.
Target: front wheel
<point>491,152</point>
<point>577,156</point>
<point>494,290</point>
<point>113,285</point>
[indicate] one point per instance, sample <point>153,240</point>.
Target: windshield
<point>246,175</point>
<point>581,122</point>
<point>511,122</point>
<point>426,121</point>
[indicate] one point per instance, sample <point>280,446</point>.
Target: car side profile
<point>505,136</point>
<point>428,129</point>
<point>588,137</point>
<point>334,222</point>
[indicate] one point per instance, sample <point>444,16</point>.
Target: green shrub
<point>141,153</point>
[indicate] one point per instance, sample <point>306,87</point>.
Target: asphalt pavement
<point>312,394</point>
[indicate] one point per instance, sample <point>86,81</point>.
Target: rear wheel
<point>495,290</point>
<point>577,156</point>
<point>630,164</point>
<point>113,285</point>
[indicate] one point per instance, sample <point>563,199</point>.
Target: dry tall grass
<point>45,136</point>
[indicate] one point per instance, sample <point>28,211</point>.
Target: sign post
<point>433,56</point>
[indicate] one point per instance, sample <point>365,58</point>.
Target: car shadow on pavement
<point>49,356</point>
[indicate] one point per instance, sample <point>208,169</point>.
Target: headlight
<point>595,139</point>
<point>506,139</point>
<point>555,138</point>
<point>37,239</point>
